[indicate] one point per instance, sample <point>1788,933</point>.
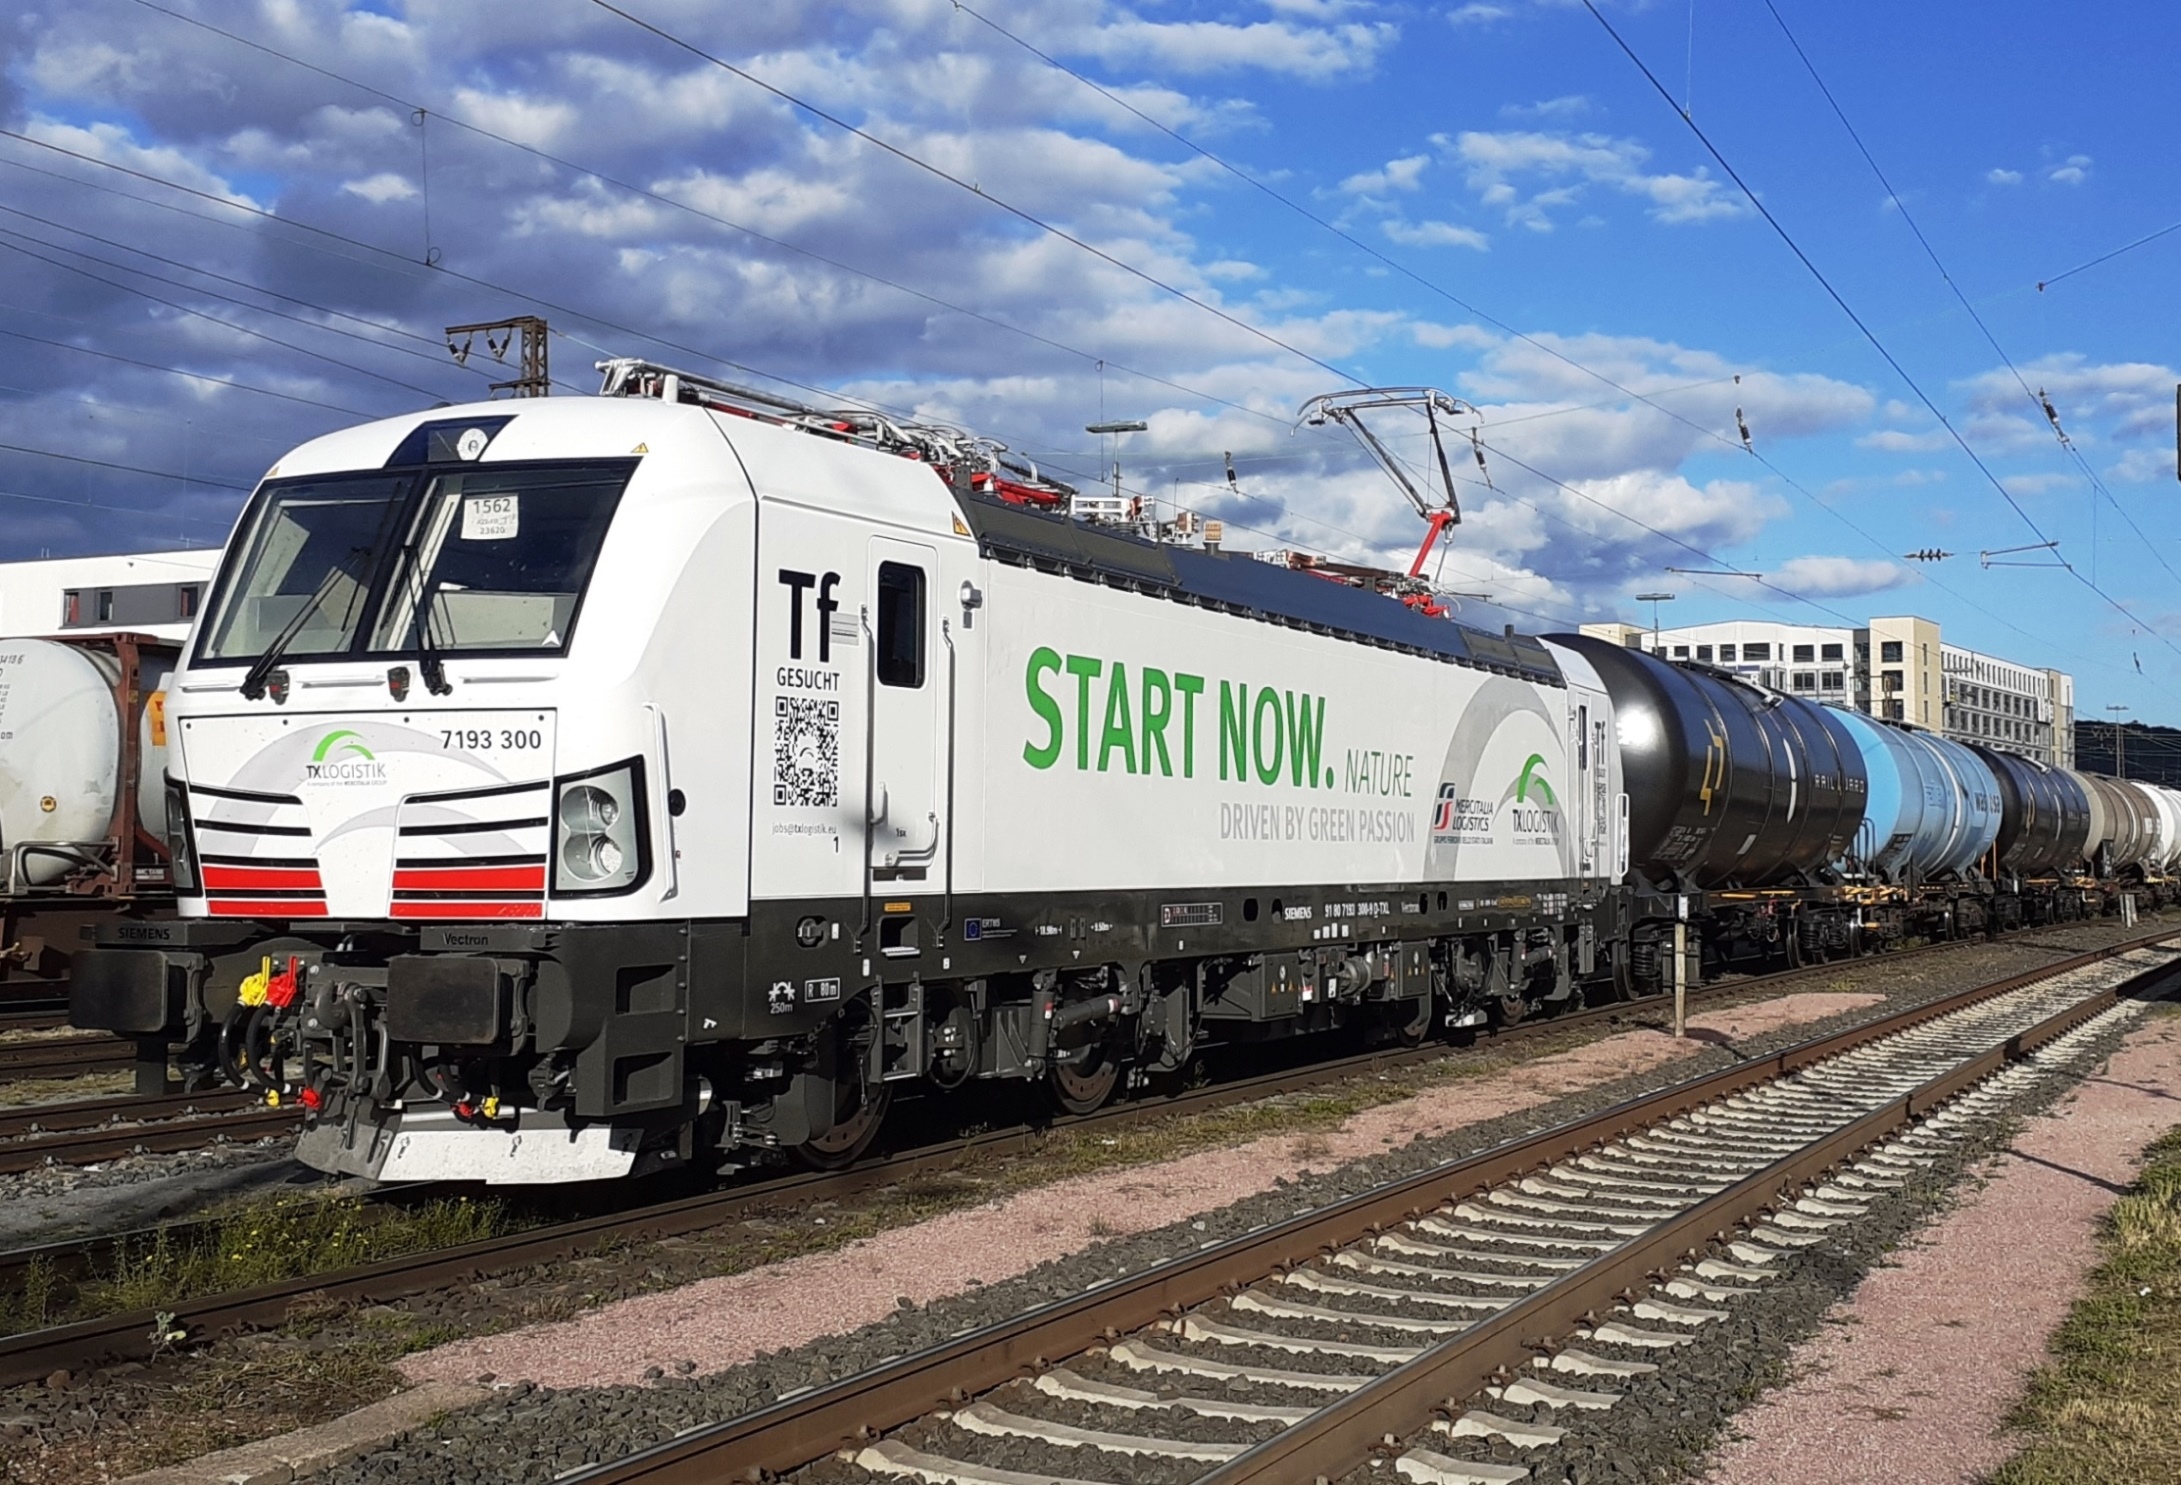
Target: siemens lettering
<point>1147,723</point>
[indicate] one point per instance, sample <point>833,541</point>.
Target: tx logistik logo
<point>1535,811</point>
<point>342,758</point>
<point>1531,784</point>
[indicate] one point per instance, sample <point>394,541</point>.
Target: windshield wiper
<point>253,683</point>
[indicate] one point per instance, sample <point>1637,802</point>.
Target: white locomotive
<point>565,789</point>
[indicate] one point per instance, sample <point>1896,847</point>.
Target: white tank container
<point>63,750</point>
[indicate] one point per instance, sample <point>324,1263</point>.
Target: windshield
<point>491,558</point>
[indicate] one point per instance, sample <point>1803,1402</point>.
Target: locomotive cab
<point>422,786</point>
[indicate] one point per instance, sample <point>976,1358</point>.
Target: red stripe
<point>467,911</point>
<point>471,879</point>
<point>261,878</point>
<point>291,908</point>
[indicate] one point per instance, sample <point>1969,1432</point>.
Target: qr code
<point>806,752</point>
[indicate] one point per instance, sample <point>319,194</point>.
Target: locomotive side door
<point>906,683</point>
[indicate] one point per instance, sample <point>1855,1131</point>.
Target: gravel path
<point>1911,1378</point>
<point>720,1322</point>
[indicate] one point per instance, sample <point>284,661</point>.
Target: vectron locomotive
<point>572,789</point>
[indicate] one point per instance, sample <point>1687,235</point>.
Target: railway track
<point>46,1133</point>
<point>65,1056</point>
<point>1552,1269</point>
<point>36,1018</point>
<point>35,1354</point>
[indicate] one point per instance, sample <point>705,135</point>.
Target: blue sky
<point>1559,242</point>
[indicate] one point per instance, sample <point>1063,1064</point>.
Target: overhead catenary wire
<point>649,194</point>
<point>939,172</point>
<point>219,381</point>
<point>1425,282</point>
<point>216,320</point>
<point>659,340</point>
<point>709,356</point>
<point>1868,334</point>
<point>2107,257</point>
<point>222,522</point>
<point>187,479</point>
<point>129,247</point>
<point>2036,398</point>
<point>437,361</point>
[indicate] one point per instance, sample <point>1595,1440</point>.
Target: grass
<point>267,1242</point>
<point>2107,1408</point>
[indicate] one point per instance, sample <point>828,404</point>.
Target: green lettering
<point>1084,669</point>
<point>1306,737</point>
<point>1120,729</point>
<point>1190,686</point>
<point>1268,771</point>
<point>1034,754</point>
<point>1234,724</point>
<point>1158,710</point>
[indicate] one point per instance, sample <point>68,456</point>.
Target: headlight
<point>181,861</point>
<point>598,834</point>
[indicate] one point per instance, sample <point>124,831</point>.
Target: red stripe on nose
<point>471,879</point>
<point>261,878</point>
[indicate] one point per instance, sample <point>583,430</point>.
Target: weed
<point>29,1307</point>
<point>270,1242</point>
<point>2107,1407</point>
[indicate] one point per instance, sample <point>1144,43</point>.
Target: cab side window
<point>900,625</point>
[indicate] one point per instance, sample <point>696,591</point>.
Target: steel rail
<point>31,1355</point>
<point>64,1056</point>
<point>799,1430</point>
<point>88,1113</point>
<point>163,1137</point>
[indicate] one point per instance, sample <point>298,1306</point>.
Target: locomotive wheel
<point>1082,1087</point>
<point>856,1123</point>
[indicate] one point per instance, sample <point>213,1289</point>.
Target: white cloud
<point>1894,441</point>
<point>1395,175</point>
<point>1479,13</point>
<point>2141,465</point>
<point>1434,234</point>
<point>2002,177</point>
<point>381,188</point>
<point>2037,484</point>
<point>1444,337</point>
<point>1497,161</point>
<point>1267,46</point>
<point>1840,577</point>
<point>1568,106</point>
<point>2073,173</point>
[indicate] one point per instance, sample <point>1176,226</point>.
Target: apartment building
<point>1899,668</point>
<point>155,593</point>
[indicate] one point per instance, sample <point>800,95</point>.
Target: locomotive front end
<point>419,791</point>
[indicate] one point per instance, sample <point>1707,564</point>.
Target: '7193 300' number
<point>475,738</point>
